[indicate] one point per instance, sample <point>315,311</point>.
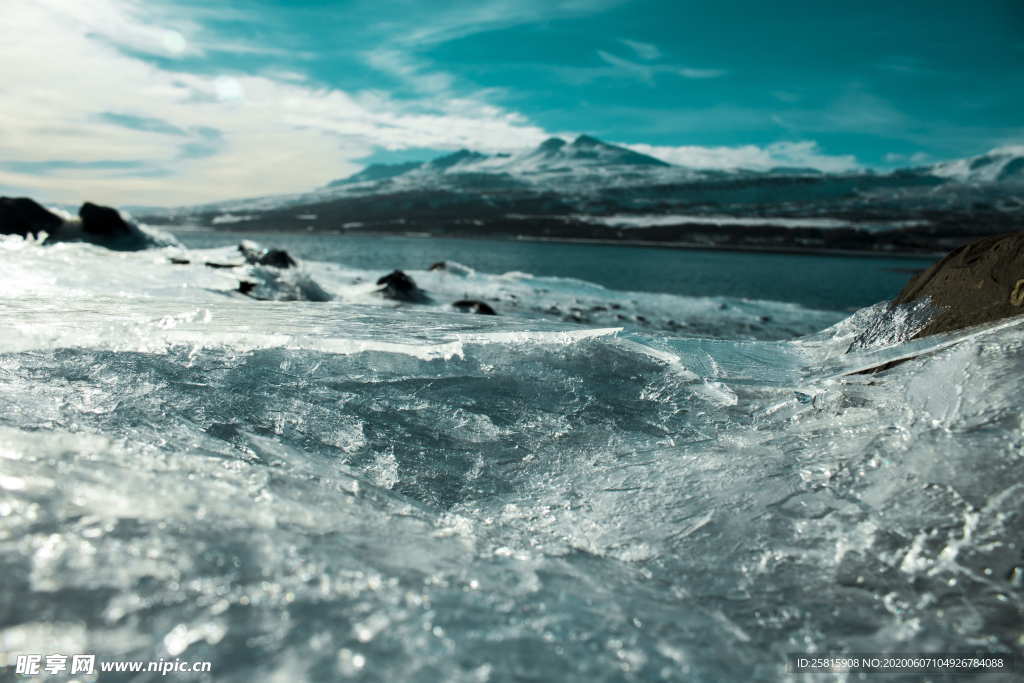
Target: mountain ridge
<point>591,190</point>
<point>585,152</point>
<point>588,155</point>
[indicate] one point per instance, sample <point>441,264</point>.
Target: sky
<point>172,102</point>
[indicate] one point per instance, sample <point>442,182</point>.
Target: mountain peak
<point>454,158</point>
<point>552,145</point>
<point>377,172</point>
<point>589,141</point>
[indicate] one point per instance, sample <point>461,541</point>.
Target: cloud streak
<point>648,72</point>
<point>803,154</point>
<point>643,50</point>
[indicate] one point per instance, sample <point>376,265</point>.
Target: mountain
<point>463,156</point>
<point>377,172</point>
<point>1001,165</point>
<point>592,190</point>
<point>586,155</point>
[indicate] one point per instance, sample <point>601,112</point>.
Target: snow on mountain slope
<point>556,155</point>
<point>1001,165</point>
<point>585,155</point>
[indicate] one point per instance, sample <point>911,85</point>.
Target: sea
<point>650,465</point>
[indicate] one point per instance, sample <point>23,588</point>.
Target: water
<point>824,282</point>
<point>360,490</point>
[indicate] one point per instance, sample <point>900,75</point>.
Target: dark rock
<point>211,264</point>
<point>439,265</point>
<point>474,306</point>
<point>976,283</point>
<point>258,256</point>
<point>400,287</point>
<point>246,287</point>
<point>23,216</point>
<point>278,258</point>
<point>180,261</point>
<point>104,222</point>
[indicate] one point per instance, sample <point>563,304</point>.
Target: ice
<point>357,488</point>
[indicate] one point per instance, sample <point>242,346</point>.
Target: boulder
<point>398,286</point>
<point>104,222</point>
<point>474,306</point>
<point>23,216</point>
<point>976,283</point>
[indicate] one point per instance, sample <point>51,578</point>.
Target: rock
<point>438,265</point>
<point>977,283</point>
<point>246,287</point>
<point>178,261</point>
<point>258,256</point>
<point>400,287</point>
<point>474,306</point>
<point>104,222</point>
<point>23,216</point>
<point>278,258</point>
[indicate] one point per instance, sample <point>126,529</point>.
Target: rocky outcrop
<point>23,216</point>
<point>976,283</point>
<point>104,222</point>
<point>398,286</point>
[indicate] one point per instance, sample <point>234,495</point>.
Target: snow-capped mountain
<point>584,156</point>
<point>589,189</point>
<point>1001,165</point>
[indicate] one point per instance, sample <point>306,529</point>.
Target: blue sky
<point>180,101</point>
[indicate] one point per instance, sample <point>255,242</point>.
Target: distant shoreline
<point>697,246</point>
<point>654,244</point>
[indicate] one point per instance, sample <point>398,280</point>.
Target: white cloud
<point>701,73</point>
<point>799,154</point>
<point>646,51</point>
<point>644,72</point>
<point>120,23</point>
<point>411,71</point>
<point>264,133</point>
<point>647,72</point>
<point>443,20</point>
